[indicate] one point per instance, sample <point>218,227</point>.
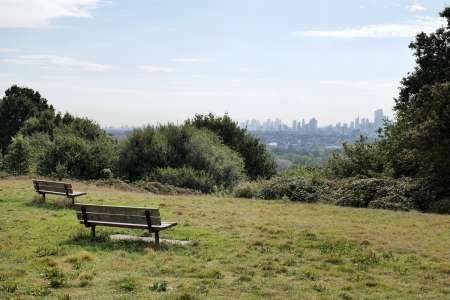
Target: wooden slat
<point>118,210</point>
<point>164,225</point>
<point>54,186</point>
<point>52,189</point>
<point>131,219</point>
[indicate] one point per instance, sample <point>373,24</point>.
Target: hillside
<point>246,249</point>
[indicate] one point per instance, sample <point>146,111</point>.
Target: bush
<point>441,206</point>
<point>74,156</point>
<point>18,156</point>
<point>384,193</point>
<point>292,188</point>
<point>248,189</point>
<point>258,161</point>
<point>359,159</point>
<point>206,152</point>
<point>186,177</point>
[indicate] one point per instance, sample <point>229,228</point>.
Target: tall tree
<point>16,107</point>
<point>418,142</point>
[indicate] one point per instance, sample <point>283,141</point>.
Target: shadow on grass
<point>104,243</point>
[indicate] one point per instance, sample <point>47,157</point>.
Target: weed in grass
<point>56,277</point>
<point>211,273</point>
<point>368,258</point>
<point>371,284</point>
<point>65,297</point>
<point>78,259</point>
<point>308,275</point>
<point>49,262</point>
<point>43,251</point>
<point>185,296</point>
<point>159,286</point>
<point>9,287</point>
<point>126,284</point>
<point>334,260</point>
<point>40,292</point>
<point>320,288</point>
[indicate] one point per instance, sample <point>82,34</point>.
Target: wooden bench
<point>122,216</point>
<point>44,187</point>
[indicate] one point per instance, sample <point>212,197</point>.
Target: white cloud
<point>39,13</point>
<point>157,69</point>
<point>56,61</point>
<point>378,31</point>
<point>191,60</point>
<point>416,7</point>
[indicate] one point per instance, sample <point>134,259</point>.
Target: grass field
<point>246,249</point>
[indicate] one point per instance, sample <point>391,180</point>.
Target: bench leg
<point>157,246</point>
<point>93,233</point>
<point>73,200</point>
<point>43,197</point>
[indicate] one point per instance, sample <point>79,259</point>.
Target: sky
<point>139,62</point>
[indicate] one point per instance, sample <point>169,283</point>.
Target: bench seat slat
<point>164,225</point>
<point>118,210</point>
<point>74,194</point>
<point>116,218</point>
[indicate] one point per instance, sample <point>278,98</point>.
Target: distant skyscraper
<point>313,124</point>
<point>378,118</point>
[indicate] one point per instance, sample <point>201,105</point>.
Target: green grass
<point>247,249</point>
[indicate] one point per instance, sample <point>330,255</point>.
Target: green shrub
<point>384,193</point>
<point>18,156</point>
<point>361,158</point>
<point>159,286</point>
<point>186,177</point>
<point>206,152</point>
<point>441,206</point>
<point>248,189</point>
<point>258,161</point>
<point>292,188</point>
<point>75,156</point>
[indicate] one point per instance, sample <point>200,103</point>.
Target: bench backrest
<point>42,186</point>
<point>118,214</point>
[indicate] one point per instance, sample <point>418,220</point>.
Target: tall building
<point>313,124</point>
<point>378,118</point>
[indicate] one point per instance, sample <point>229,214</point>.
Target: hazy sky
<point>146,61</point>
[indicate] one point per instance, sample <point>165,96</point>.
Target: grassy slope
<point>246,249</point>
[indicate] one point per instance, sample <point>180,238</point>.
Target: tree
<point>18,156</point>
<point>259,163</point>
<point>16,107</point>
<point>418,142</point>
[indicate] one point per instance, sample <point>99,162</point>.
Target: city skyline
<point>361,123</point>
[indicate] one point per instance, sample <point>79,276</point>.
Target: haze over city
<point>140,62</point>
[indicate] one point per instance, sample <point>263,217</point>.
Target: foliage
<point>360,158</point>
<point>384,193</point>
<point>77,157</point>
<point>169,152</point>
<point>259,163</point>
<point>294,188</point>
<point>16,107</point>
<point>184,177</point>
<point>441,206</point>
<point>18,156</point>
<point>206,152</point>
<point>142,151</point>
<point>418,142</point>
<point>248,189</point>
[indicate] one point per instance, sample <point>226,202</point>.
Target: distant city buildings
<point>363,125</point>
